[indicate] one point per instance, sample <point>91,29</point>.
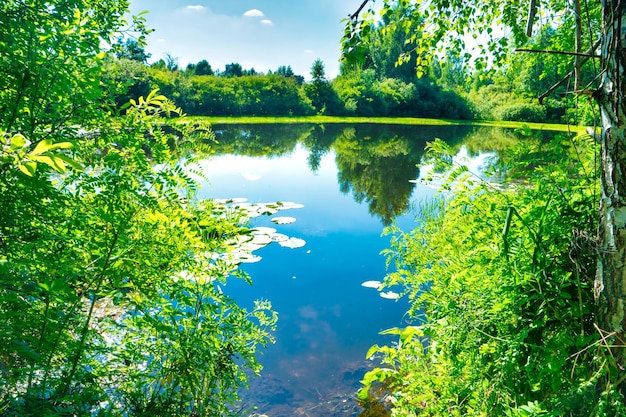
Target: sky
<point>259,34</point>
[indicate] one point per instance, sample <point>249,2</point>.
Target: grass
<point>380,120</point>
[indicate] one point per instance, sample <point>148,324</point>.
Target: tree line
<point>447,87</point>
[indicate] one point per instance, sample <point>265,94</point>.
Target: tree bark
<point>610,282</point>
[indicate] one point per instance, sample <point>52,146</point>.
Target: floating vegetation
<point>284,220</point>
<point>372,284</point>
<point>279,237</point>
<point>390,295</point>
<point>253,210</point>
<point>263,230</point>
<point>242,256</point>
<point>243,246</point>
<point>292,242</point>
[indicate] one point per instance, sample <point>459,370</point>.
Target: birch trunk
<point>610,283</point>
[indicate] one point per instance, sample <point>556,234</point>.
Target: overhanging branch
<point>356,14</point>
<point>588,54</point>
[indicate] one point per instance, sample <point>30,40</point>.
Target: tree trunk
<point>610,283</point>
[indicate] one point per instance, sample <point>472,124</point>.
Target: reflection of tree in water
<point>319,141</point>
<point>375,161</point>
<point>268,140</point>
<point>376,169</point>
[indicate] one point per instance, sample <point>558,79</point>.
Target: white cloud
<point>254,13</point>
<point>267,22</point>
<point>196,8</point>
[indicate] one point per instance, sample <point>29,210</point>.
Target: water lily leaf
<point>292,242</point>
<point>261,239</point>
<point>372,284</point>
<point>241,256</point>
<point>286,205</point>
<point>263,230</point>
<point>279,237</point>
<point>251,246</point>
<point>250,259</point>
<point>390,295</point>
<point>284,220</point>
<point>238,200</point>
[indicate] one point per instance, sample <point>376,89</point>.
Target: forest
<point>111,271</point>
<point>376,86</point>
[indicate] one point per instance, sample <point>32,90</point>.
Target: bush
<point>521,112</point>
<point>500,284</point>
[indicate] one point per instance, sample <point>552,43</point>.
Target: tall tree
<point>448,21</point>
<point>319,90</point>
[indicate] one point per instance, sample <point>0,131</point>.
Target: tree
<point>449,20</point>
<point>171,62</point>
<point>286,71</point>
<point>233,70</point>
<point>318,73</point>
<point>110,269</point>
<point>131,49</point>
<point>201,68</point>
<point>320,92</point>
<point>204,68</point>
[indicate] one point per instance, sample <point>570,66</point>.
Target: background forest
<point>375,86</point>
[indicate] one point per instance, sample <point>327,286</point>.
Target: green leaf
<point>18,141</point>
<point>28,167</point>
<point>47,145</point>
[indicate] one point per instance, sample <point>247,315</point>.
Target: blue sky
<point>259,34</point>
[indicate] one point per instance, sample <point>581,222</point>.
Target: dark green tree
<point>320,92</point>
<point>131,49</point>
<point>232,70</point>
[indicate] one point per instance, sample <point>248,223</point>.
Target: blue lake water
<point>327,319</point>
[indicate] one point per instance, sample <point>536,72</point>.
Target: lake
<point>352,181</point>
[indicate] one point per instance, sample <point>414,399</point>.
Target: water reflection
<point>352,180</point>
<point>375,162</point>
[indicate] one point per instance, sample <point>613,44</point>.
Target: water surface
<point>353,180</point>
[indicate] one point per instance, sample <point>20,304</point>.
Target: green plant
<point>500,284</point>
<point>112,275</point>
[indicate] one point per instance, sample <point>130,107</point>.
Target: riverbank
<point>383,120</point>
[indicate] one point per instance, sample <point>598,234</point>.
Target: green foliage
<point>500,283</point>
<point>495,102</point>
<point>208,95</point>
<point>113,277</point>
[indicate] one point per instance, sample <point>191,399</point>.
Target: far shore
<point>383,120</point>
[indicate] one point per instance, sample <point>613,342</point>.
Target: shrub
<point>500,284</point>
<point>521,112</point>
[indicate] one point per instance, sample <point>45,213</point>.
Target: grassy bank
<point>383,120</point>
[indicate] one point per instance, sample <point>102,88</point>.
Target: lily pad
<point>279,237</point>
<point>242,256</point>
<point>261,240</point>
<point>286,205</point>
<point>390,295</point>
<point>263,230</point>
<point>292,242</point>
<point>372,284</point>
<point>284,220</point>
